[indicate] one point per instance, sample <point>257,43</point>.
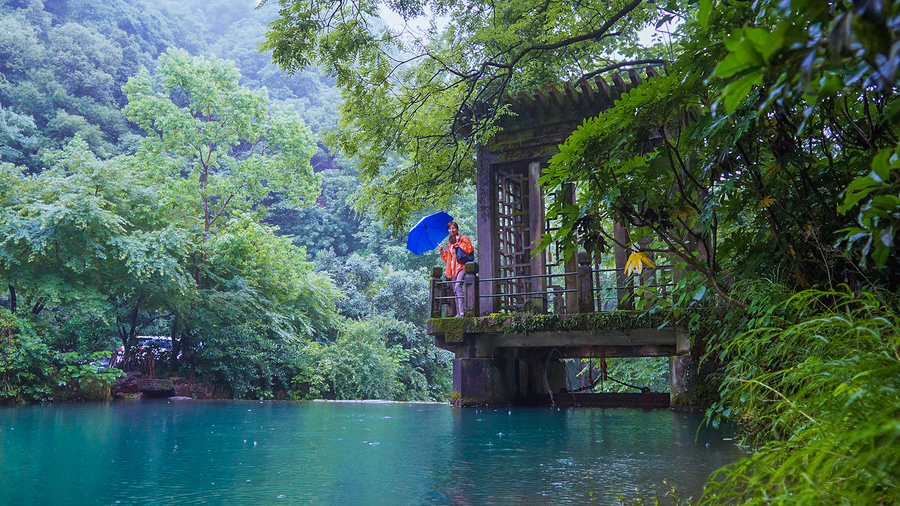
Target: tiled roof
<point>572,101</point>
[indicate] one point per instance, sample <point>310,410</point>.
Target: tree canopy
<point>411,95</point>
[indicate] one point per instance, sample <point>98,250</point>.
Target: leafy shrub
<point>359,365</point>
<point>25,361</point>
<point>81,378</point>
<point>819,394</point>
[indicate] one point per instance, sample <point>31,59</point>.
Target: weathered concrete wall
<point>502,381</point>
<point>682,377</point>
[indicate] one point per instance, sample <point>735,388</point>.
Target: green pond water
<point>253,453</point>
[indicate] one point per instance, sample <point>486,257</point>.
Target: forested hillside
<point>161,176</point>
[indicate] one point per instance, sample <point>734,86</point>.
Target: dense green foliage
<point>764,163</point>
<point>150,188</point>
<point>408,93</point>
<point>816,387</point>
<point>31,371</point>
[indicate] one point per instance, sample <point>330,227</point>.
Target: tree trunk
<point>176,343</point>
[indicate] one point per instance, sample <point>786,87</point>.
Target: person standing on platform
<point>456,254</point>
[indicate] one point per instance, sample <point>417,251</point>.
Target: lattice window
<point>514,238</point>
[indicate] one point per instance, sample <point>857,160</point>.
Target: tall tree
<point>413,96</point>
<point>213,147</point>
<point>82,229</point>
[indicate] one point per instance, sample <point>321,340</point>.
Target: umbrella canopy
<point>428,232</point>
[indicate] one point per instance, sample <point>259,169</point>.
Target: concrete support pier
<point>682,377</point>
<point>524,369</point>
<point>500,381</point>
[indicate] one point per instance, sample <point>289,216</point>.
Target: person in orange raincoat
<point>456,270</point>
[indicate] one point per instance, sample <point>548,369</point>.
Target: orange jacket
<point>448,254</point>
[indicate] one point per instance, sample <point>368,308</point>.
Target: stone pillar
<point>682,376</point>
<point>471,289</point>
<point>484,381</point>
<point>503,381</point>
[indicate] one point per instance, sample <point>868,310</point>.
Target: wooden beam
<point>540,99</point>
<point>573,95</point>
<point>587,92</point>
<point>556,98</point>
<point>634,77</point>
<point>619,85</point>
<point>527,102</point>
<point>605,94</point>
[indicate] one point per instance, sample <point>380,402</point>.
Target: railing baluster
<point>471,290</point>
<point>435,291</point>
<point>585,284</point>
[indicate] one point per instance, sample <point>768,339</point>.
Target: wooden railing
<point>587,290</point>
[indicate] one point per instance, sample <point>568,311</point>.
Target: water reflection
<point>200,452</point>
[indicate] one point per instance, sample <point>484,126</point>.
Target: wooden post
<point>585,283</point>
<point>648,276</point>
<point>571,265</point>
<point>486,219</point>
<point>435,291</point>
<point>623,290</point>
<point>472,308</point>
<point>536,228</point>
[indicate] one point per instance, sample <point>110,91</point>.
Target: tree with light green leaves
<point>213,147</point>
<point>216,153</point>
<point>81,230</point>
<point>84,234</point>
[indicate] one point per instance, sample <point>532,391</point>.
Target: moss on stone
<point>629,320</point>
<point>519,323</point>
<point>453,328</point>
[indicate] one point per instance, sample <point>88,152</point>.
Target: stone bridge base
<point>499,381</point>
<point>517,381</point>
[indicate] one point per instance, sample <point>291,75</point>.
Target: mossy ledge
<point>515,323</point>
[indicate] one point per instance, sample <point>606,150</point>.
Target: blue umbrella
<point>428,232</point>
